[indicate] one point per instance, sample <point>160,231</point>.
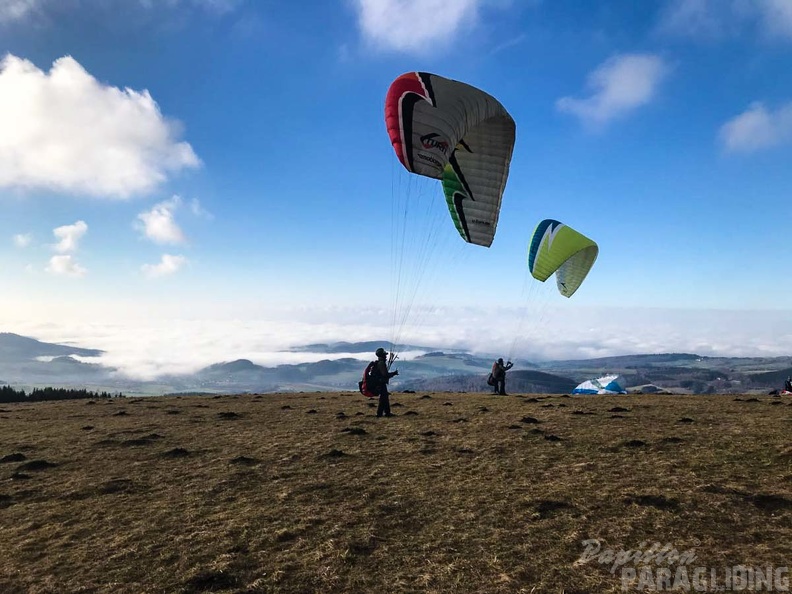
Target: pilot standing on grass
<point>383,376</point>
<point>499,375</point>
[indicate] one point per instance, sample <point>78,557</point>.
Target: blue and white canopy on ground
<point>602,385</point>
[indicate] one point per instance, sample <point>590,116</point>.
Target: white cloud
<point>159,225</point>
<point>776,17</point>
<point>620,85</point>
<point>414,26</point>
<point>22,240</point>
<point>167,266</point>
<point>69,236</point>
<point>716,19</point>
<point>11,10</point>
<point>696,18</point>
<point>757,128</point>
<point>65,266</point>
<point>65,131</point>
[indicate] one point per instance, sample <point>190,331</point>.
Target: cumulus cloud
<point>716,19</point>
<point>65,131</point>
<point>414,26</point>
<point>159,224</point>
<point>65,265</point>
<point>618,86</point>
<point>167,266</point>
<point>69,236</point>
<point>22,240</point>
<point>758,128</point>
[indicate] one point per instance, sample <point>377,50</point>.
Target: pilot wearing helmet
<point>382,375</point>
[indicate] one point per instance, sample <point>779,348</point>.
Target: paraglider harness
<point>371,383</point>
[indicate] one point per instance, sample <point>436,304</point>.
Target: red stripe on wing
<point>406,84</point>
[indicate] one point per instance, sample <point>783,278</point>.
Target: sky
<point>190,181</point>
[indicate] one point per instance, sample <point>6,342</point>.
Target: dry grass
<point>254,494</point>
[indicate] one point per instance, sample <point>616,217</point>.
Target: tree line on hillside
<point>9,394</point>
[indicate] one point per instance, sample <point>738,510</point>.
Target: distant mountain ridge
<point>27,362</point>
<point>14,347</point>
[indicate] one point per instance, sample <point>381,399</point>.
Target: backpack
<point>368,385</point>
<point>491,380</point>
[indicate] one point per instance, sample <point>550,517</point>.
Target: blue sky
<point>208,160</point>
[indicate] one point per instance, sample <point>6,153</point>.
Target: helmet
<point>380,352</point>
<point>500,361</point>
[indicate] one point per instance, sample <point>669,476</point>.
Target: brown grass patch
<point>254,495</point>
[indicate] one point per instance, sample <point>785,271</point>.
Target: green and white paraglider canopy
<point>558,248</point>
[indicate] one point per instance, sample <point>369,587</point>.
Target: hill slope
<point>294,493</point>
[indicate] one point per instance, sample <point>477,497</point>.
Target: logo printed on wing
<point>429,141</point>
<point>430,159</point>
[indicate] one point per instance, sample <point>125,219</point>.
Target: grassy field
<point>313,493</point>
